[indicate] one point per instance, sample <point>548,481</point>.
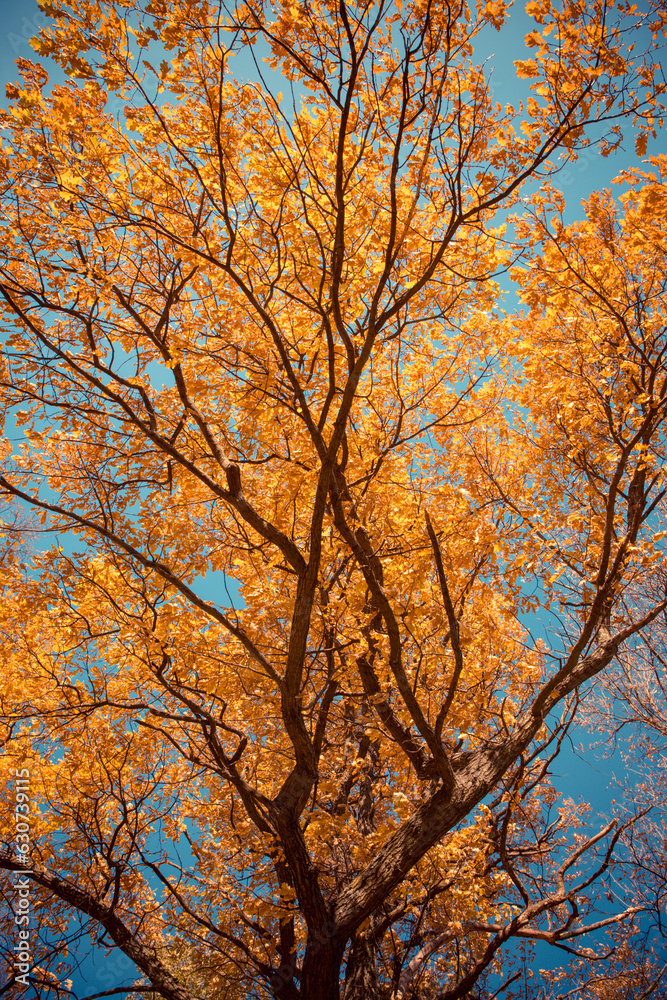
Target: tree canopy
<point>283,481</point>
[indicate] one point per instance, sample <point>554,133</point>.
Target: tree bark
<point>361,972</point>
<point>320,977</point>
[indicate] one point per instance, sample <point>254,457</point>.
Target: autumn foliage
<point>282,481</point>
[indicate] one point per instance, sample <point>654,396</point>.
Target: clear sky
<point>589,779</point>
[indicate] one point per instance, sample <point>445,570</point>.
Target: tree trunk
<point>321,967</point>
<point>361,971</point>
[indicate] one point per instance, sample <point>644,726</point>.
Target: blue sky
<point>589,777</point>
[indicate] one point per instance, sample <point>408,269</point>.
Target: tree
<point>258,340</point>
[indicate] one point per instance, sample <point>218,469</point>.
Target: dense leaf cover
<point>255,337</point>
